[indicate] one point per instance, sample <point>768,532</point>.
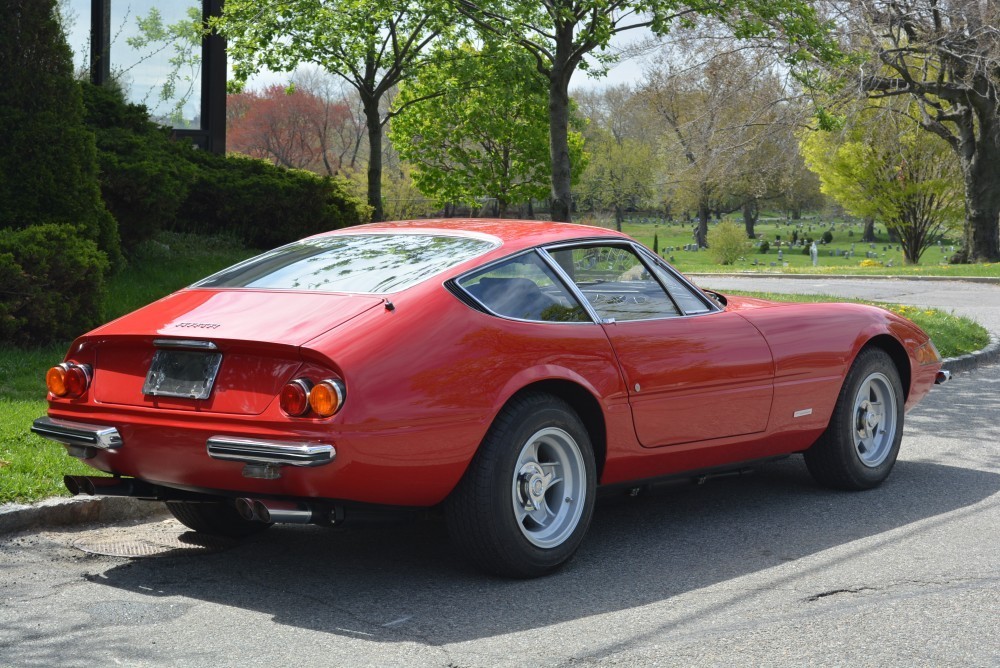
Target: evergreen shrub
<point>144,174</point>
<point>262,204</point>
<point>48,166</point>
<point>53,284</point>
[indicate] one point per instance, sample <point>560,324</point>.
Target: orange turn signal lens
<point>927,354</point>
<point>294,398</point>
<point>327,397</point>
<point>68,379</point>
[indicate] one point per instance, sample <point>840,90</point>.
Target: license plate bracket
<point>187,374</point>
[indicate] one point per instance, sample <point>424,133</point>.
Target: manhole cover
<point>150,541</point>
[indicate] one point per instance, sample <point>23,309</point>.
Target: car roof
<point>513,234</point>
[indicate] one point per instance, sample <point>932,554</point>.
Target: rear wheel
<point>216,518</point>
<point>859,447</point>
<point>525,503</point>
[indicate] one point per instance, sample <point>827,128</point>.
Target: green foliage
<point>48,168</point>
<point>264,205</point>
<point>828,237</point>
<point>152,183</point>
<point>145,175</point>
<point>727,242</point>
<point>474,124</point>
<point>371,44</point>
<point>618,174</point>
<point>53,284</point>
<point>764,247</point>
<point>885,167</point>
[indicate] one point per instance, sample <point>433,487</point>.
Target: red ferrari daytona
<point>500,370</point>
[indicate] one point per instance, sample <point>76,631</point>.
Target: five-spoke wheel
<point>526,500</point>
<point>859,447</point>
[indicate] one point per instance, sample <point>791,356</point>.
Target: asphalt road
<point>762,570</point>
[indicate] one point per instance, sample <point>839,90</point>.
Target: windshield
<point>360,263</point>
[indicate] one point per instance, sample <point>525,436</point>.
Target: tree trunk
<point>619,217</point>
<point>750,216</point>
<point>981,172</point>
<point>374,121</point>
<point>562,175</point>
<point>531,210</point>
<point>701,234</point>
<point>868,236</point>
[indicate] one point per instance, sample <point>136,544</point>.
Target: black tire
<point>491,514</point>
<point>215,518</point>
<point>853,453</point>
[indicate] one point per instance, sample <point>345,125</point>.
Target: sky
<point>145,69</point>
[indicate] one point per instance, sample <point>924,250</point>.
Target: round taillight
<point>294,398</point>
<point>68,380</point>
<point>327,397</point>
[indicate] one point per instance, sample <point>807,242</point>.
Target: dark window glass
<point>616,283</point>
<point>358,263</point>
<point>525,288</point>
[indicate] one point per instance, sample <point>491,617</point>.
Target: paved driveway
<point>979,301</point>
<point>766,569</point>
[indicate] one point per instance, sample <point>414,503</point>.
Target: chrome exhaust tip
<point>245,507</point>
<point>282,512</point>
<point>73,484</point>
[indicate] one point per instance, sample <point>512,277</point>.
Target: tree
<point>480,130</point>
<point>618,174</point>
<point>881,167</point>
<point>372,45</point>
<point>48,163</point>
<point>722,118</point>
<point>560,34</point>
<point>945,57</point>
<point>293,128</point>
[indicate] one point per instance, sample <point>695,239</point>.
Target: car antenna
<point>389,306</point>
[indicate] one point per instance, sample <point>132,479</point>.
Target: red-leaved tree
<point>293,128</point>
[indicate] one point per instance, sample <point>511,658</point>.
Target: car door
<point>694,372</point>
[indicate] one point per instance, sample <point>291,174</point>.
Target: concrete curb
<point>105,509</point>
<point>975,359</point>
<point>58,511</point>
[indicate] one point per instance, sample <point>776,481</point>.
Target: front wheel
<point>525,503</point>
<point>859,447</point>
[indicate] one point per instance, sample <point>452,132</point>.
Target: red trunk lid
<point>257,332</point>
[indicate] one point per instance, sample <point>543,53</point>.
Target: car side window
<point>685,297</point>
<point>616,282</point>
<point>524,287</point>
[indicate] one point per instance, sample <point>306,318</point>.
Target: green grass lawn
<point>846,237</point>
<point>31,468</point>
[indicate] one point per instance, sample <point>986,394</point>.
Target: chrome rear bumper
<point>79,438</point>
<point>943,376</point>
<point>263,459</point>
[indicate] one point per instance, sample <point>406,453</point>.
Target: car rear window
<point>359,263</point>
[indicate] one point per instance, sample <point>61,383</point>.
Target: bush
<point>262,204</point>
<point>53,284</point>
<point>727,242</point>
<point>48,166</point>
<point>152,182</point>
<point>145,176</point>
<point>828,237</point>
<point>764,247</point>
